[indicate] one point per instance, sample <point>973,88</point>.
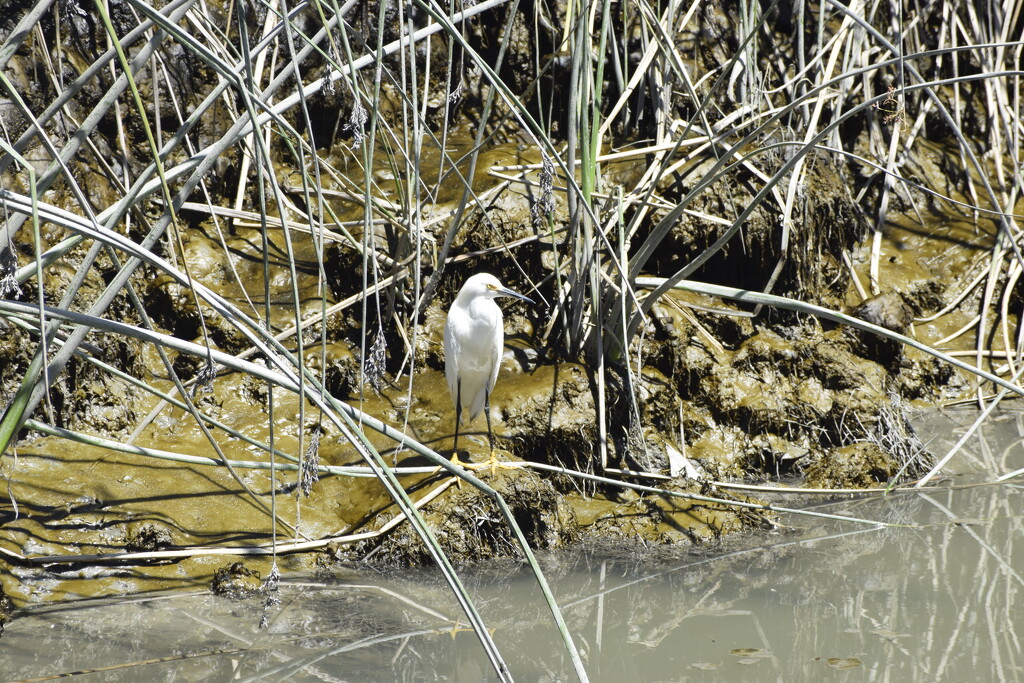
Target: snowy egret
<point>474,336</point>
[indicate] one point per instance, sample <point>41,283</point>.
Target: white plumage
<point>474,337</point>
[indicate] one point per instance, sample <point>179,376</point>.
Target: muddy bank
<point>706,393</point>
<point>735,398</point>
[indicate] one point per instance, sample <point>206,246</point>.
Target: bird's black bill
<point>517,295</point>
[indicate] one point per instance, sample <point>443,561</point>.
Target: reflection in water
<point>933,600</point>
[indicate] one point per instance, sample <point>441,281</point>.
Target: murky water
<point>937,599</point>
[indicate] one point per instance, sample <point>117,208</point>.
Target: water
<point>935,599</point>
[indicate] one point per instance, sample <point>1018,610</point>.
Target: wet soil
<point>798,401</point>
<point>720,394</point>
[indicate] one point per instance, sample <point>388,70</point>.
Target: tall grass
<point>328,128</point>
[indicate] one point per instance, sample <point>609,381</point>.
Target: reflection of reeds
<point>821,592</point>
<point>328,140</point>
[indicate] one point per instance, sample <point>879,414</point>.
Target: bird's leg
<point>458,418</point>
<point>487,414</point>
<point>458,411</point>
<point>492,461</point>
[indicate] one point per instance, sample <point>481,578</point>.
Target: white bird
<point>474,337</point>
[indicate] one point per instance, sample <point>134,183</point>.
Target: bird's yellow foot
<point>458,480</point>
<point>493,463</point>
<point>455,461</point>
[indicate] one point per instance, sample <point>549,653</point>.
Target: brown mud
<point>739,397</point>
